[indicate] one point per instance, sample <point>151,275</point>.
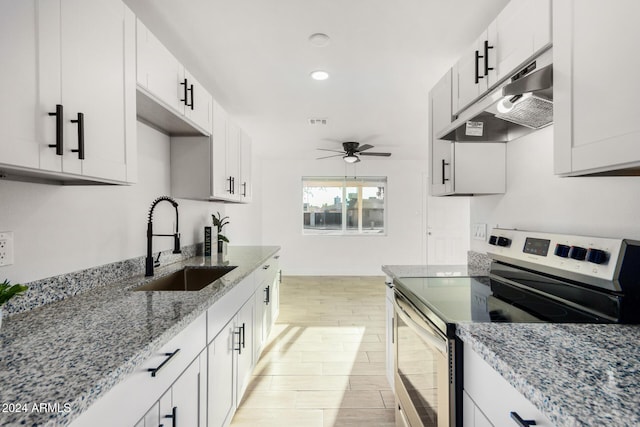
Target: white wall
<point>538,200</point>
<point>60,229</point>
<point>348,255</point>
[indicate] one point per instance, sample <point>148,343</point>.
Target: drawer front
<point>128,401</point>
<point>479,378</point>
<point>267,272</point>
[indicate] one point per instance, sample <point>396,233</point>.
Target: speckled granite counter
<point>73,351</point>
<point>577,375</point>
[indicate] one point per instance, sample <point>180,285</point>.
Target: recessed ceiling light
<point>319,75</point>
<point>319,39</point>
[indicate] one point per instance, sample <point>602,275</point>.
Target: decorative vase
<point>222,247</point>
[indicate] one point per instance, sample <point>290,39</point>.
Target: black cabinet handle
<point>173,416</point>
<point>244,189</point>
<point>59,127</point>
<point>191,90</point>
<point>520,421</point>
<point>239,334</point>
<point>266,267</point>
<point>444,163</point>
<point>185,100</point>
<point>80,149</point>
<point>233,185</point>
<point>267,298</point>
<point>230,190</point>
<point>154,371</point>
<point>243,333</point>
<point>486,58</point>
<point>477,73</point>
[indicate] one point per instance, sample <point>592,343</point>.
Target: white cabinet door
<point>26,130</point>
<point>152,417</point>
<point>159,72</point>
<point>390,320</point>
<point>469,80</point>
<point>221,183</point>
<point>245,167</point>
<point>93,82</point>
<point>258,321</point>
<point>440,105</point>
<point>199,108</point>
<point>522,29</point>
<point>244,354</point>
<point>80,58</point>
<point>442,173</point>
<point>185,395</point>
<point>595,93</point>
<point>233,159</point>
<point>275,298</point>
<point>221,392</point>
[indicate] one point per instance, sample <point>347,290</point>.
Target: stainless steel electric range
<point>534,277</point>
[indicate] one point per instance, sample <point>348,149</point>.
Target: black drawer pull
<point>267,298</point>
<point>266,267</point>
<point>477,72</point>
<point>80,149</point>
<point>173,416</point>
<point>154,371</point>
<point>520,421</point>
<point>191,90</point>
<point>444,163</point>
<point>486,58</point>
<point>185,100</point>
<point>59,127</point>
<point>239,334</point>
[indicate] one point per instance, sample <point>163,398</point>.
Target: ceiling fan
<point>351,151</point>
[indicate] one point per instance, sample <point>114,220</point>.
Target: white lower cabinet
<point>485,409</point>
<point>199,377</point>
<point>390,319</point>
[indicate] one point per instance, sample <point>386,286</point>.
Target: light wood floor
<point>324,364</point>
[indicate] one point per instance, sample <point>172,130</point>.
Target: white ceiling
<point>255,58</point>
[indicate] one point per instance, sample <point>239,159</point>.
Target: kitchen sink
<point>187,279</point>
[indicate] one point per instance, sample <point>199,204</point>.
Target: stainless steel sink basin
<point>187,279</point>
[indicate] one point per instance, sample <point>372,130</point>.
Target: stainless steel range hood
<point>519,105</point>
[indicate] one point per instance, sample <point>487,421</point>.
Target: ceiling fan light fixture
<point>319,75</point>
<point>351,158</point>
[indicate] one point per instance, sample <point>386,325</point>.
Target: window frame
<point>344,183</point>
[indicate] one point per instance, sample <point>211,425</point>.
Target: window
<point>343,206</point>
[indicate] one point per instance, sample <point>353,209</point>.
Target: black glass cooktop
<point>454,299</point>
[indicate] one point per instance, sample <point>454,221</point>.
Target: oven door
<point>424,384</point>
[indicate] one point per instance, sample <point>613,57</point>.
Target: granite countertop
<point>577,375</point>
<point>73,351</point>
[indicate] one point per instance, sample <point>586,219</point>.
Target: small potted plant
<point>219,222</point>
<point>8,291</point>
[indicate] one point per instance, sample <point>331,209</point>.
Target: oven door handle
<point>432,339</point>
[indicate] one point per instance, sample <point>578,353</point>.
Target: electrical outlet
<point>6,248</point>
<point>479,231</point>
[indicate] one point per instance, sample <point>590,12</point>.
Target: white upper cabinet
<point>166,87</point>
<point>595,88</point>
<point>72,90</point>
<point>216,167</point>
<point>456,167</point>
<point>519,32</point>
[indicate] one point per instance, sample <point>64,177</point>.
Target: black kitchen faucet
<point>149,264</point>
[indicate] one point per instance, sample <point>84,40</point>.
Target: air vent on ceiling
<point>317,121</point>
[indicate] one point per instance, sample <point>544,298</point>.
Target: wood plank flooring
<point>324,364</point>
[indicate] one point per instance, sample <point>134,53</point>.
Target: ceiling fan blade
<point>363,147</point>
<point>375,154</point>
<point>327,149</point>
<point>327,157</point>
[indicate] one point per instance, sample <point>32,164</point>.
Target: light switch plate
<point>479,231</point>
<point>6,248</point>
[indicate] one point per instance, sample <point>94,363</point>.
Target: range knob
<point>578,253</point>
<point>562,250</point>
<point>597,256</point>
<point>493,240</point>
<point>503,241</point>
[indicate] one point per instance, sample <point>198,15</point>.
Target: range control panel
<point>591,256</point>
